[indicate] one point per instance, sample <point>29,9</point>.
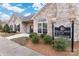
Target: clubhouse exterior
<point>52,19</point>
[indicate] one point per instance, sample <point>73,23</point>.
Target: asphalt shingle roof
<point>25,18</point>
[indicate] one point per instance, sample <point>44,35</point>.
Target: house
<point>20,24</point>
<point>53,19</point>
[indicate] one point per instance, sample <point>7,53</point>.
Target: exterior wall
<point>61,12</point>
<point>44,14</point>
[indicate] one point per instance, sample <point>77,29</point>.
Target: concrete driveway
<point>10,48</point>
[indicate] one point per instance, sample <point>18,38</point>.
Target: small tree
<point>6,28</point>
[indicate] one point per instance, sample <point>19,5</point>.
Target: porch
<point>28,26</point>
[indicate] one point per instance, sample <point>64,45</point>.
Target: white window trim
<point>42,26</point>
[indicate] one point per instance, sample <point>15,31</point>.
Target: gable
<point>48,11</point>
<point>14,19</point>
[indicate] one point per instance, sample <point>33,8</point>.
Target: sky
<point>25,9</point>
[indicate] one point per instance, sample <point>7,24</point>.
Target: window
<point>11,27</point>
<point>18,27</point>
<point>45,28</point>
<point>39,28</point>
<point>15,27</point>
<point>42,28</point>
<point>31,29</point>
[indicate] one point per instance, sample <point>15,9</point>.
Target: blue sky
<point>7,9</point>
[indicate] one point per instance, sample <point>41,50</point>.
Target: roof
<point>30,17</point>
<point>23,18</point>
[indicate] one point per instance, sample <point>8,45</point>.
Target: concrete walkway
<point>17,36</point>
<point>10,48</point>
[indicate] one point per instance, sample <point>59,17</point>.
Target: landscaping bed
<point>46,49</point>
<point>45,45</point>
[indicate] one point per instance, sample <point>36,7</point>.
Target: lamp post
<point>72,19</point>
<point>72,34</point>
<point>72,42</point>
<point>53,20</point>
<point>72,15</point>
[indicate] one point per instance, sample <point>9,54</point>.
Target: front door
<point>31,29</point>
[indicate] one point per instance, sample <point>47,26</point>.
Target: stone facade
<point>63,13</point>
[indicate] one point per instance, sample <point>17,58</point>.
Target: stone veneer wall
<point>61,12</point>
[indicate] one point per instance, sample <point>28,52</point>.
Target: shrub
<point>34,37</point>
<point>6,28</point>
<point>47,39</point>
<point>42,35</point>
<point>60,45</point>
<point>32,34</point>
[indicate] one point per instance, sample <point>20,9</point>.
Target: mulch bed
<point>47,50</point>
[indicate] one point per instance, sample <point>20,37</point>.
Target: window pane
<point>44,28</point>
<point>44,25</point>
<point>18,27</point>
<point>39,28</point>
<point>15,27</point>
<point>39,31</point>
<point>11,27</point>
<point>44,31</point>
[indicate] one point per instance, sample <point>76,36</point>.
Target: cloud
<point>38,6</point>
<point>27,14</point>
<point>13,8</point>
<point>4,16</point>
